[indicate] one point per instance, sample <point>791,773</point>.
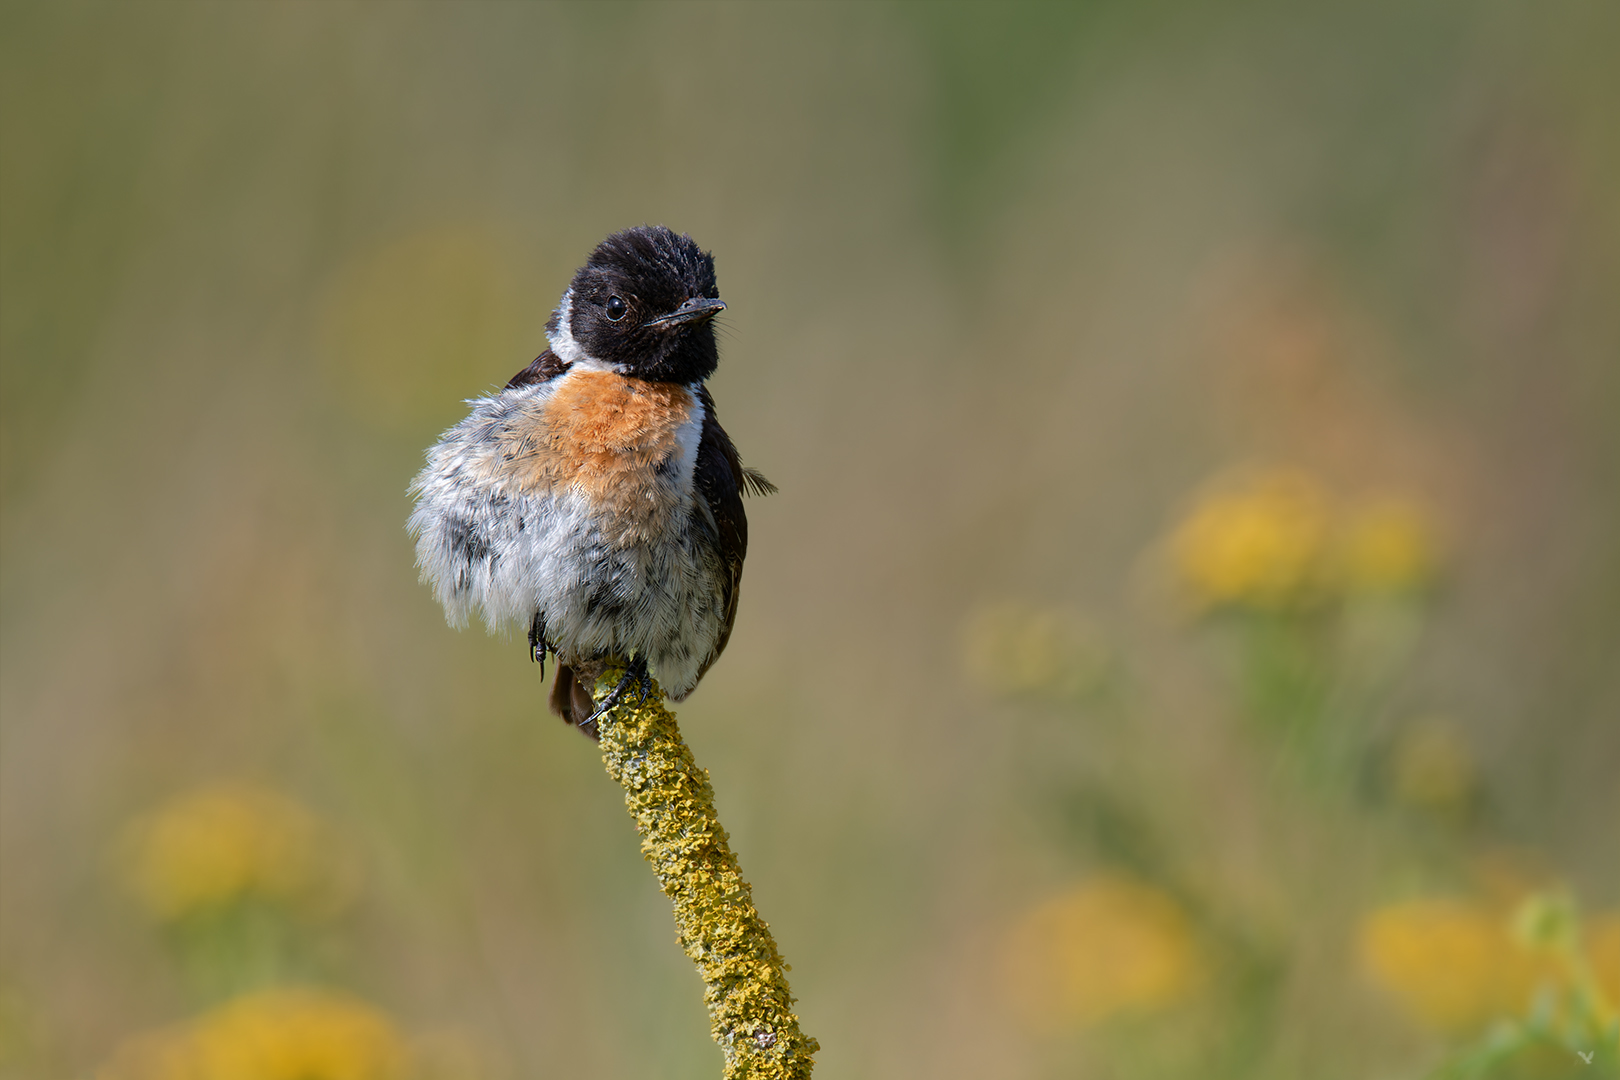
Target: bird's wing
<point>721,482</point>
<point>548,365</point>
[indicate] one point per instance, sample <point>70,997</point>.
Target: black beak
<point>699,307</point>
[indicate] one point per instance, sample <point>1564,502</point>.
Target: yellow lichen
<point>744,976</point>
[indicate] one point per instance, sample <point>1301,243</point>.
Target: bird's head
<point>642,305</point>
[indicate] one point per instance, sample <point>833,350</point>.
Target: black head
<point>644,303</point>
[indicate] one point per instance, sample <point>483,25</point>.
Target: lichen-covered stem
<point>744,976</point>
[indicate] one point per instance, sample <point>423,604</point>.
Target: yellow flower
<point>226,843</point>
<point>1105,948</point>
<point>1388,547</point>
<point>1256,540</point>
<point>1603,950</point>
<point>1271,539</point>
<point>1019,649</point>
<point>1433,770</point>
<point>1455,965</point>
<point>276,1035</point>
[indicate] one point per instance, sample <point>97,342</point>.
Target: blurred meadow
<point>1186,641</point>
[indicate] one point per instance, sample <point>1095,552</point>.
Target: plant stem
<point>744,976</point>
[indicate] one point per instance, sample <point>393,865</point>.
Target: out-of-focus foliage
<point>1196,429</point>
<point>238,875</point>
<point>1320,604</point>
<point>1431,769</point>
<point>1535,977</point>
<point>1020,649</point>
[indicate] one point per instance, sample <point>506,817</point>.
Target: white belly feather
<point>491,539</point>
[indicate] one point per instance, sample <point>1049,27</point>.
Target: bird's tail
<point>571,699</point>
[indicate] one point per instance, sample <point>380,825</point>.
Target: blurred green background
<point>1184,643</point>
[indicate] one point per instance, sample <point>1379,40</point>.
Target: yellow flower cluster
<point>1020,649</point>
<point>275,1035</point>
<point>1388,545</point>
<point>1106,948</point>
<point>1433,770</point>
<point>1275,538</point>
<point>226,843</point>
<point>1458,965</point>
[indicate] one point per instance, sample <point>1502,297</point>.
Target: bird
<point>595,500</point>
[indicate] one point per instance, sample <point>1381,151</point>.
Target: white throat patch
<point>567,347</point>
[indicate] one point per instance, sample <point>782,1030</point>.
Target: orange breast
<point>606,436</point>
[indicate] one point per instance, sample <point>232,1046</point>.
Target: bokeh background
<point>1184,643</point>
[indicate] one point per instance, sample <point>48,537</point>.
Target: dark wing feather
<point>546,366</point>
<point>754,483</point>
<point>721,482</point>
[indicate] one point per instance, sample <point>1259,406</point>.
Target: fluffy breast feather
<point>514,497</point>
<point>616,442</point>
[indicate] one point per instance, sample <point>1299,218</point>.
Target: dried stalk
<point>744,976</point>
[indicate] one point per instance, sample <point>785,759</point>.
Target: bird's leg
<point>537,641</point>
<point>635,672</point>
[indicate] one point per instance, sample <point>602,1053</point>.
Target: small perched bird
<point>596,500</point>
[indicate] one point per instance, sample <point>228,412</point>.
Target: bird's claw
<point>538,645</point>
<point>634,674</point>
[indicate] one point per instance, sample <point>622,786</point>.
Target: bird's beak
<point>699,307</point>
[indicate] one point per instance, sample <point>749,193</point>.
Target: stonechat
<point>596,500</point>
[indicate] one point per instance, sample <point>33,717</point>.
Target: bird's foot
<point>634,674</point>
<point>538,645</point>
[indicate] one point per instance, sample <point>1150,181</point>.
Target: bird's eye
<point>616,308</point>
